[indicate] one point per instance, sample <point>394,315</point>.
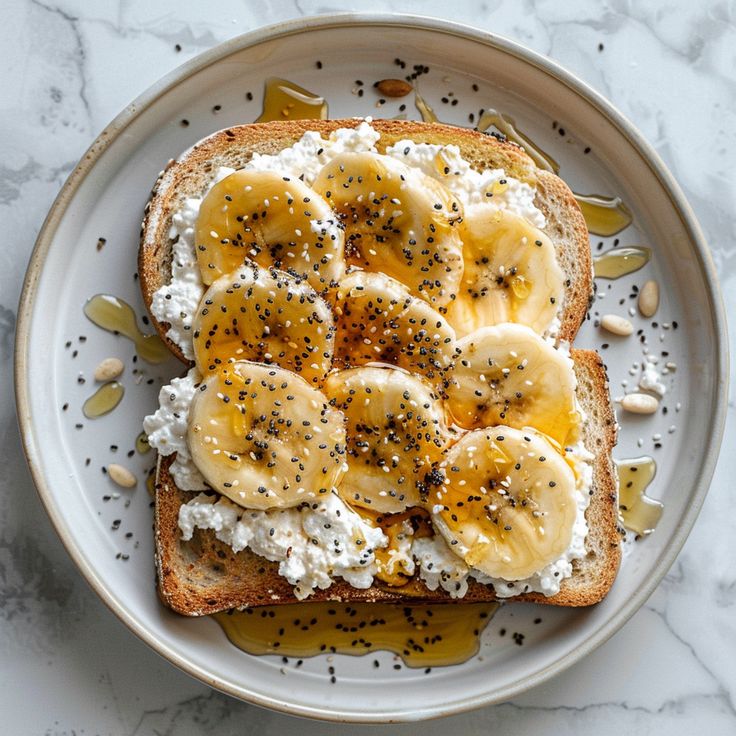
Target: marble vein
<point>723,691</point>
<point>79,53</point>
<point>215,712</point>
<point>7,331</point>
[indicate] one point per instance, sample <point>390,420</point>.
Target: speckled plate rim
<point>649,156</point>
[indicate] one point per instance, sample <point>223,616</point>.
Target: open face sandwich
<point>382,401</point>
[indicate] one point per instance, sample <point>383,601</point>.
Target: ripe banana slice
<point>508,504</point>
<point>396,432</point>
<point>511,273</point>
<point>508,374</point>
<point>273,219</point>
<point>265,438</point>
<point>266,316</point>
<point>379,320</point>
<point>398,221</point>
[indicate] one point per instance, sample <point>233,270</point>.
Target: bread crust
<point>189,175</point>
<point>204,576</point>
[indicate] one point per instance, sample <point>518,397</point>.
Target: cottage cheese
<point>438,566</point>
<point>167,430</point>
<point>312,544</point>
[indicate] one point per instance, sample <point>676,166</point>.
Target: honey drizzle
<point>425,110</point>
<point>104,400</point>
<point>604,216</point>
<point>284,100</point>
<point>507,125</point>
<point>639,512</point>
<point>422,635</point>
<point>614,264</point>
<point>115,315</point>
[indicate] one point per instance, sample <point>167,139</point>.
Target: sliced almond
<point>394,87</point>
<point>649,298</point>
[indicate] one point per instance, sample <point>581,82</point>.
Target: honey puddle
<point>639,512</point>
<point>141,444</point>
<point>115,315</point>
<point>614,264</point>
<point>284,100</point>
<point>104,400</point>
<point>604,215</point>
<point>422,635</point>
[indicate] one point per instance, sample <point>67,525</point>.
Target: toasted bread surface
<point>204,575</point>
<point>191,173</point>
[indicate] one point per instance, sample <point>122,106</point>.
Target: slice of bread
<point>204,576</point>
<point>192,172</point>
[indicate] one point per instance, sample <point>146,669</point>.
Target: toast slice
<point>191,173</point>
<point>204,576</point>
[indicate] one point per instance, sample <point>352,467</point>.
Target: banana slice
<point>508,505</point>
<point>379,320</point>
<point>266,316</point>
<point>508,374</point>
<point>398,221</point>
<point>264,437</point>
<point>274,220</point>
<point>396,432</point>
<point>511,274</point>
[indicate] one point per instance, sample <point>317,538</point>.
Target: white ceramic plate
<point>105,197</point>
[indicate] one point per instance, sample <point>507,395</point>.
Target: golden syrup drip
<point>427,113</point>
<point>115,315</point>
<point>423,636</point>
<point>613,264</point>
<point>392,525</point>
<point>284,100</point>
<point>151,482</point>
<point>507,125</point>
<point>604,215</point>
<point>639,512</point>
<point>104,400</point>
<point>141,444</point>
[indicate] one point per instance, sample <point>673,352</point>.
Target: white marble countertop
<point>67,666</point>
